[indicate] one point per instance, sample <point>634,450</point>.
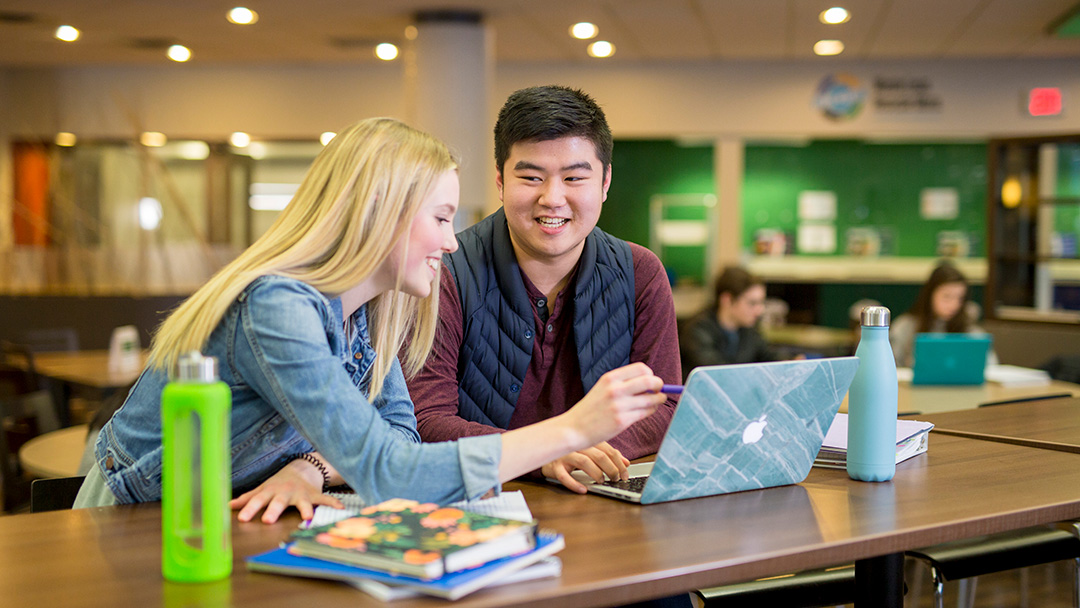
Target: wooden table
<point>932,399</point>
<point>55,454</point>
<point>86,368</point>
<point>615,552</point>
<point>927,399</point>
<point>829,341</point>
<point>1052,424</point>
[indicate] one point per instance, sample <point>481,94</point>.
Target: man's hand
<point>597,461</point>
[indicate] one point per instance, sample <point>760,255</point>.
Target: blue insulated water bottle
<point>871,453</point>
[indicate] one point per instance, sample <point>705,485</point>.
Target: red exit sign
<point>1045,101</point>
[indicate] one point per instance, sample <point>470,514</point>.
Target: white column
<point>728,170</point>
<point>448,74</point>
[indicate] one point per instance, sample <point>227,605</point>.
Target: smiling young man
<point>537,303</point>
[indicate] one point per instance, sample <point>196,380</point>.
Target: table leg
<point>879,581</point>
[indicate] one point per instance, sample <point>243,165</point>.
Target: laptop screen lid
<point>950,358</point>
<point>748,426</point>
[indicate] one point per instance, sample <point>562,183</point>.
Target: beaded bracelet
<point>310,457</point>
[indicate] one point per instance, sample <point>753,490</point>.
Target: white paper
<point>817,205</point>
<point>1013,375</point>
<point>836,438</point>
<point>939,203</point>
<point>817,238</point>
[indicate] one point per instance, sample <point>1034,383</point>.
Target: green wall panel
<point>876,186</point>
<point>643,168</point>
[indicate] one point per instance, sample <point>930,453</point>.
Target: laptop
<point>739,427</point>
<point>950,358</point>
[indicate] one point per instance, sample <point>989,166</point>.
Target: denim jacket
<point>297,386</point>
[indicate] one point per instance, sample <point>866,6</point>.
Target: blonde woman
<point>306,324</point>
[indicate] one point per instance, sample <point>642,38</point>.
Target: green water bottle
<point>196,544</point>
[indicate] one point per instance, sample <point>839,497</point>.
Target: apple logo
<point>754,430</point>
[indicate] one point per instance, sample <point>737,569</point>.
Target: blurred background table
<point>54,454</point>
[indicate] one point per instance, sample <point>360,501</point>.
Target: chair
<point>54,494</point>
<point>50,339</point>
<point>808,589</point>
<point>26,410</point>
<point>973,557</point>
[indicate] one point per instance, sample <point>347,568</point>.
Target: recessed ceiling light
<point>584,30</point>
<point>828,47</point>
<point>601,48</point>
<point>65,139</point>
<point>325,138</point>
<point>834,15</point>
<point>179,52</point>
<point>239,139</point>
<point>67,33</point>
<point>242,16</point>
<point>153,139</point>
<point>386,51</point>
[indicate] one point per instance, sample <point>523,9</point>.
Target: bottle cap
<point>193,367</point>
<point>875,316</point>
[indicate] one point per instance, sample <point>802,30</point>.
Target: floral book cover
<point>419,539</point>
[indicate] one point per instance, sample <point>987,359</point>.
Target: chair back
<point>54,494</point>
<point>26,411</point>
<point>52,339</point>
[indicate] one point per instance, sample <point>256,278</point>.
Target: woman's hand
<point>297,484</point>
<point>619,398</point>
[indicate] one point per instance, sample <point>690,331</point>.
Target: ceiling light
<point>67,33</point>
<point>835,15</point>
<point>239,139</point>
<point>65,139</point>
<point>242,16</point>
<point>153,139</point>
<point>601,48</point>
<point>193,150</point>
<point>179,52</point>
<point>411,32</point>
<point>828,47</point>
<point>584,30</point>
<point>386,51</point>
<point>326,137</point>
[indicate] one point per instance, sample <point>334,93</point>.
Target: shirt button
<point>541,303</point>
<point>358,356</point>
<point>109,463</point>
<point>514,388</point>
<point>528,334</point>
<point>550,328</point>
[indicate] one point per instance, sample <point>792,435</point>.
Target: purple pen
<point>672,389</point>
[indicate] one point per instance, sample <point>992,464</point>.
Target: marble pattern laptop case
<point>748,426</point>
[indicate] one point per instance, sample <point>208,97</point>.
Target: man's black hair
<point>550,112</point>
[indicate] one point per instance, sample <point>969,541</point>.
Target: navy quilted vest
<point>498,320</point>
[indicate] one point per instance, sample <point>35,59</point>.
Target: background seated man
<point>726,331</point>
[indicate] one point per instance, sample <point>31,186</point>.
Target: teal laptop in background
<point>740,427</point>
<point>950,359</point>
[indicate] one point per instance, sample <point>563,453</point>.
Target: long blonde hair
<point>355,204</point>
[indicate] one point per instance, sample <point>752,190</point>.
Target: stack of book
<point>400,548</point>
<point>912,439</point>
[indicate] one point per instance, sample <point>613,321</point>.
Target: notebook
<point>950,358</point>
<point>740,427</point>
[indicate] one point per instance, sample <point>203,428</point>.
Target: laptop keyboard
<point>634,484</point>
